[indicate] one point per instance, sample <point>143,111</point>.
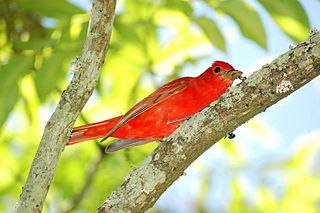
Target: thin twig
<point>90,175</point>
<point>92,170</point>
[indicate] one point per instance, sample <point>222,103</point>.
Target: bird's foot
<point>181,119</point>
<point>231,135</point>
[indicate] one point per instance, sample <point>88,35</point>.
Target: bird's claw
<point>231,135</point>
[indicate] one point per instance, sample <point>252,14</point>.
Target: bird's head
<point>225,70</point>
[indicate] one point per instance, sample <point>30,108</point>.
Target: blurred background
<point>271,166</point>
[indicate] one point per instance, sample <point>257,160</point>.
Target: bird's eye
<point>217,69</point>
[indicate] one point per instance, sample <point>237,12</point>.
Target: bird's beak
<point>232,74</point>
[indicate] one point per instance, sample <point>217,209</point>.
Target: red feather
<point>175,100</point>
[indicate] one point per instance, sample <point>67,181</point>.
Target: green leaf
<point>8,100</point>
<point>59,9</point>
<point>246,17</point>
<point>35,44</point>
<point>125,33</point>
<point>9,90</point>
<point>212,32</point>
<point>183,6</point>
<point>290,16</point>
<point>48,76</point>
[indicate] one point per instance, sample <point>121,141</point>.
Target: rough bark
<point>58,128</point>
<point>274,81</point>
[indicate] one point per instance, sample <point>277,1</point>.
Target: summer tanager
<point>159,114</point>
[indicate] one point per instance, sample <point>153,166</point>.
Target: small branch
<point>92,169</point>
<point>58,128</point>
<point>273,82</point>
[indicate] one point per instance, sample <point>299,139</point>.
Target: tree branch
<point>58,128</point>
<point>144,185</point>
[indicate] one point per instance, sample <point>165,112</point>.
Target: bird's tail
<point>92,131</point>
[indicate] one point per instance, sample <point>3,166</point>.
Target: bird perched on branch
<point>159,114</point>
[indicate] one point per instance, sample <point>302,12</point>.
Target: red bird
<point>160,113</point>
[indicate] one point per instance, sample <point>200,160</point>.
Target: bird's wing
<point>125,143</point>
<point>150,101</point>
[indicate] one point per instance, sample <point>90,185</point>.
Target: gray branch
<point>274,81</point>
<point>58,128</point>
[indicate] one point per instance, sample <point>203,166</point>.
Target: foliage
<point>152,42</point>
